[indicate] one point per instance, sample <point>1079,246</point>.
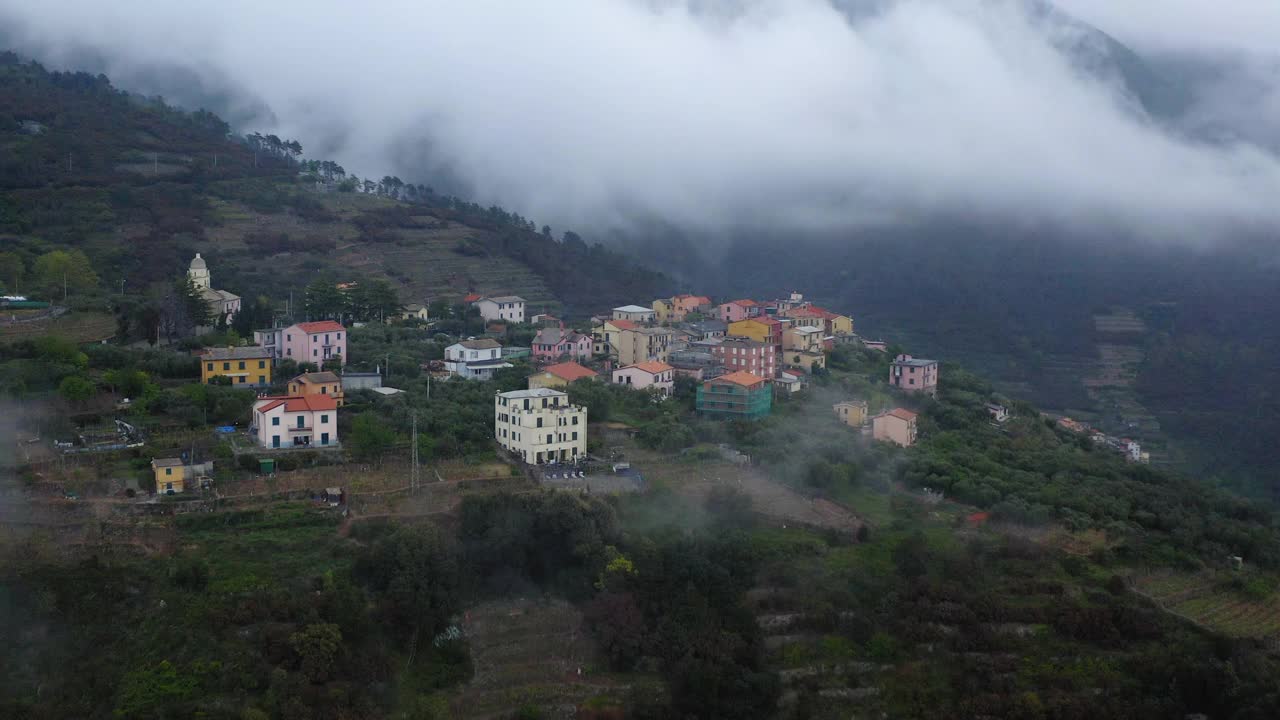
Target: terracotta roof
<point>623,324</point>
<point>317,378</point>
<point>902,414</point>
<point>570,371</point>
<point>472,297</point>
<point>252,352</point>
<point>741,377</point>
<point>301,404</point>
<point>320,326</point>
<point>744,302</point>
<point>653,367</point>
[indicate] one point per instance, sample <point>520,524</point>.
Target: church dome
<point>198,263</point>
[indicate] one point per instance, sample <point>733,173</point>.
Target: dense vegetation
<point>1017,304</point>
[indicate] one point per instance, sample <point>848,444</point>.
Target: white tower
<point>199,272</point>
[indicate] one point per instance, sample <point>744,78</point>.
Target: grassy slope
<point>421,263</point>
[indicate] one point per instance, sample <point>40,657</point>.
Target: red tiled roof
<point>570,371</point>
<point>653,367</point>
<point>472,298</point>
<point>623,324</point>
<point>741,377</point>
<point>301,404</point>
<point>311,328</point>
<point>743,302</point>
<point>902,414</point>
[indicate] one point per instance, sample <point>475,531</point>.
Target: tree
<point>317,646</point>
<point>415,573</point>
<point>199,314</point>
<point>61,269</point>
<point>370,437</point>
<point>12,270</point>
<point>323,300</point>
<point>76,388</point>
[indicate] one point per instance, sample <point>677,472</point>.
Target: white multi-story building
<point>540,426</point>
<point>506,308</point>
<point>474,359</point>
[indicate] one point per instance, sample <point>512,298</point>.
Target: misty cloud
<point>714,115</point>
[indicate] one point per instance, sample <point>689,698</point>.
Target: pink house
<point>645,375</point>
<point>315,342</point>
<point>736,310</point>
<point>914,375</point>
<point>551,344</point>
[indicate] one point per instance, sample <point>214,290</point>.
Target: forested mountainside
<point>139,187</point>
<point>1173,345</point>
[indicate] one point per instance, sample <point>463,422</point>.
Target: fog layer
<point>719,115</point>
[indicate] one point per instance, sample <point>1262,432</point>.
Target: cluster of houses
<point>743,354</point>
<point>1130,449</point>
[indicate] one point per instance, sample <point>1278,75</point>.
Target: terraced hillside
<point>424,262</point>
<point>1206,600</point>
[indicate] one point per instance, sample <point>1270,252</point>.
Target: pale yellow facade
<point>851,412</point>
<point>540,426</point>
<point>643,345</point>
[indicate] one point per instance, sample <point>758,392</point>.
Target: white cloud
<point>779,112</point>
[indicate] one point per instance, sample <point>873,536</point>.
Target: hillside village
<point>276,442</point>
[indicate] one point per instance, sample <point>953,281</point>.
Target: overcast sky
<point>720,113</point>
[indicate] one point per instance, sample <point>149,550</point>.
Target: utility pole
<point>413,476</point>
<point>387,377</point>
<point>64,286</point>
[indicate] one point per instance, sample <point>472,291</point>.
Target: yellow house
<point>663,312</point>
<point>414,311</point>
<point>606,336</point>
<point>852,412</point>
<point>762,329</point>
<point>841,325</point>
<point>317,383</point>
<point>803,348</point>
<point>244,365</point>
<point>170,475</point>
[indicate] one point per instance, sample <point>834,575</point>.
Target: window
<point>240,378</point>
<point>209,367</point>
<point>262,379</point>
<point>575,434</point>
<point>301,421</point>
<point>313,352</point>
<point>241,367</point>
<point>289,352</point>
<point>549,439</point>
<point>539,422</point>
<point>324,438</point>
<point>324,418</point>
<point>339,336</point>
<point>168,471</point>
<point>324,389</point>
<point>226,366</point>
<point>575,419</point>
<point>262,364</point>
<point>275,421</point>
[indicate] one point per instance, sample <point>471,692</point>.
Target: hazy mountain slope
<point>141,187</point>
